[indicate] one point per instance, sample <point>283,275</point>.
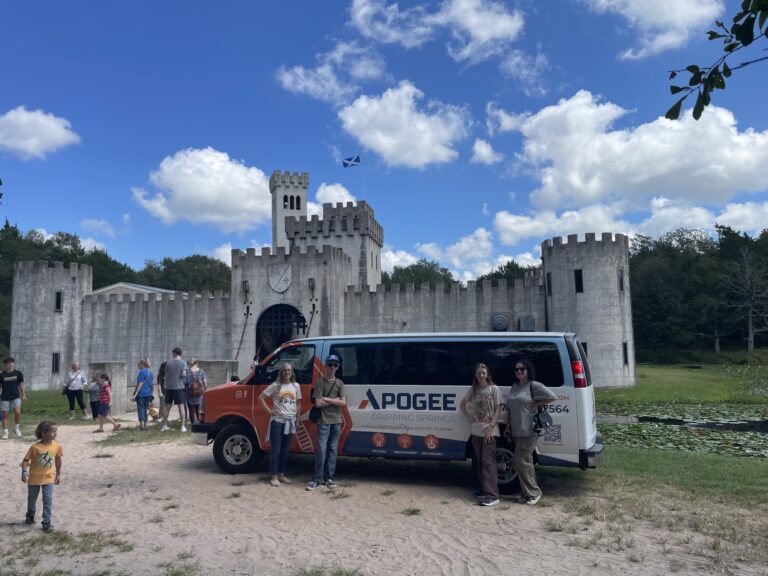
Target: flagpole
<point>362,180</point>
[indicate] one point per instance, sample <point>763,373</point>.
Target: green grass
<point>127,436</point>
<point>50,405</point>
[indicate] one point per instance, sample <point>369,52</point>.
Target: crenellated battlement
<point>240,258</point>
<point>338,220</point>
<point>530,280</point>
<point>590,240</point>
<point>32,265</point>
<point>288,180</point>
<point>208,296</point>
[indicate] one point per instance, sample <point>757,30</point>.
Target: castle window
<point>549,283</point>
<point>625,353</point>
<point>291,202</point>
<point>298,202</point>
<point>285,202</point>
<point>55,362</point>
<point>578,278</point>
<point>59,304</point>
<point>621,279</point>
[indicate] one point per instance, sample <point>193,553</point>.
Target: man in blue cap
<point>330,397</point>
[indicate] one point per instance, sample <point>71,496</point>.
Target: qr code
<point>554,434</point>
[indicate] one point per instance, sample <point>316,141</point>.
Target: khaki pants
<point>485,453</point>
<point>524,447</point>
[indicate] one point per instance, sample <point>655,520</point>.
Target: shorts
<point>103,409</point>
<point>5,405</point>
<point>177,396</point>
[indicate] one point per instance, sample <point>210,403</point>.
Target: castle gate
<point>278,324</point>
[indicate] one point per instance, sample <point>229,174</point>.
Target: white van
<point>403,395</point>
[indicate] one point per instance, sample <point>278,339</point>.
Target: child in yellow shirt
<point>40,470</point>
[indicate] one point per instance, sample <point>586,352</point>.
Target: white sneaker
<point>165,428</point>
<point>183,428</point>
<point>17,430</point>
<point>5,434</point>
<point>72,417</point>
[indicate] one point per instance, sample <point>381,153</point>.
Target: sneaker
<point>17,430</point>
<point>72,417</point>
<point>274,482</point>
<point>29,520</point>
<point>5,434</point>
<point>116,427</point>
<point>330,484</point>
<point>183,428</point>
<point>311,485</point>
<point>84,417</point>
<point>488,501</point>
<point>47,528</point>
<point>98,430</point>
<point>165,428</point>
<point>284,480</point>
<point>533,500</point>
<point>478,494</point>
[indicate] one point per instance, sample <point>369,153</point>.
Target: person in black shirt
<point>12,395</point>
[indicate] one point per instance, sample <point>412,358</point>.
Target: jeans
<point>142,403</point>
<point>278,457</point>
<point>73,395</point>
<point>327,450</point>
<point>33,492</point>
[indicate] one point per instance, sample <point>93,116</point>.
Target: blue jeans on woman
<point>327,450</point>
<point>32,494</point>
<point>278,457</point>
<point>142,404</point>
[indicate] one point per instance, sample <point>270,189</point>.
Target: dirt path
<point>173,512</point>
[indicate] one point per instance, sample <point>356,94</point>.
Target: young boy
<point>40,470</point>
<point>13,394</point>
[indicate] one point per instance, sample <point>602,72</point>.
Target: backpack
<point>195,387</point>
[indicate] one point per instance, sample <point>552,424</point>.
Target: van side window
<point>301,357</point>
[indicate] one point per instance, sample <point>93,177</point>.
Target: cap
<point>332,358</point>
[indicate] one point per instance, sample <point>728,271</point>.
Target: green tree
<point>422,271</point>
<point>192,273</point>
<point>748,26</point>
<point>509,270</point>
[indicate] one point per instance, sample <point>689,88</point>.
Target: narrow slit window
<point>285,202</point>
<point>59,304</point>
<point>298,202</point>
<point>55,362</point>
<point>549,283</point>
<point>578,278</point>
<point>292,202</point>
<point>621,279</point>
<point>625,353</point>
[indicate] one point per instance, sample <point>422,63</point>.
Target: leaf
<point>746,31</point>
<point>673,74</point>
<point>714,35</point>
<point>731,46</point>
<point>693,69</point>
<point>762,19</point>
<point>699,106</point>
<point>674,112</point>
<point>695,79</point>
<point>676,89</point>
<point>726,70</point>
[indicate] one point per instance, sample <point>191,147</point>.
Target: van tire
<point>236,449</point>
<point>509,483</point>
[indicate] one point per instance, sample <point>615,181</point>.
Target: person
<point>175,374</point>
<point>94,389</point>
<point>482,407</point>
<point>76,382</point>
<point>105,403</point>
<point>40,470</point>
<point>161,385</point>
<point>12,395</point>
<point>196,380</point>
<point>142,394</point>
<point>330,397</point>
<point>286,398</point>
<point>525,397</point>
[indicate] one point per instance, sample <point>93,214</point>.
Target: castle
<point>321,277</point>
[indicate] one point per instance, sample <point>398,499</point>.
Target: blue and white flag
<point>352,161</point>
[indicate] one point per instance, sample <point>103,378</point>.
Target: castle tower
<point>586,287</point>
<point>46,320</point>
<point>289,198</point>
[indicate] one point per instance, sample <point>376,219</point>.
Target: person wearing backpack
<point>195,385</point>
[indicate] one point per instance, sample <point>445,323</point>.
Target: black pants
<point>71,395</point>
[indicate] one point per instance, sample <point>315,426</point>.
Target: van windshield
<point>300,357</point>
<point>444,363</point>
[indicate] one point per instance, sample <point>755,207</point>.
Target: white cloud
<point>335,78</point>
<point>98,225</point>
<point>223,253</point>
<point>470,256</point>
<point>481,29</point>
<point>391,258</point>
<point>528,71</point>
<point>389,25</point>
<point>91,244</point>
<point>661,24</point>
<point>501,120</point>
<point>747,217</point>
<point>483,153</point>
<point>579,160</point>
<point>667,215</point>
<point>34,133</point>
<point>208,187</point>
<point>394,127</point>
<point>331,193</point>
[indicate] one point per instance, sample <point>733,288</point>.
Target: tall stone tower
<point>46,319</point>
<point>586,286</point>
<point>289,198</point>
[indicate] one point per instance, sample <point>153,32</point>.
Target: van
<point>403,396</point>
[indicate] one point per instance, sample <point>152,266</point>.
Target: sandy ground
<point>170,501</point>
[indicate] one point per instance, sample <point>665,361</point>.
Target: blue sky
<point>150,129</point>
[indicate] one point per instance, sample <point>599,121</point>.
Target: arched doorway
<point>278,324</point>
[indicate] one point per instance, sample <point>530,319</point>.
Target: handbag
<point>315,411</point>
<point>542,419</point>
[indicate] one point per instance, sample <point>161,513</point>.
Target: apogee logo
<point>408,401</point>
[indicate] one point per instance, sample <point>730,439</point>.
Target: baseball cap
<point>332,358</point>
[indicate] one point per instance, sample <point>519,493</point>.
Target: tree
<point>193,273</point>
<point>747,285</point>
<point>422,271</point>
<point>509,270</point>
<point>749,25</point>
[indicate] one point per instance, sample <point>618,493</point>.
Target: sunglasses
<point>520,370</point>
<point>332,365</point>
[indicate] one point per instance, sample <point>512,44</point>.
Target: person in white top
<point>74,385</point>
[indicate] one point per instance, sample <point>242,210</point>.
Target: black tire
<point>236,449</point>
<point>509,483</point>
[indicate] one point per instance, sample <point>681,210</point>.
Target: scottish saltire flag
<point>352,161</point>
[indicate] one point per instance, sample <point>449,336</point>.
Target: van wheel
<point>236,450</point>
<point>505,466</point>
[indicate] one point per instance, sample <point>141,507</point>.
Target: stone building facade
<point>321,277</point>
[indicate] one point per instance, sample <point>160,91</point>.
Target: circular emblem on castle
<point>404,441</point>
<point>280,276</point>
<point>379,440</point>
<point>500,322</point>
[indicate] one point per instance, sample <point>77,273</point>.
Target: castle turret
<point>46,319</point>
<point>289,198</point>
<point>587,292</point>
